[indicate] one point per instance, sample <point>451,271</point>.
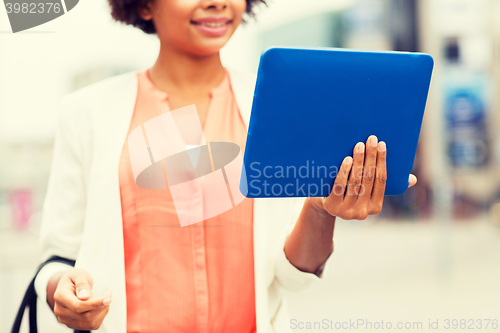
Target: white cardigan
<point>82,217</point>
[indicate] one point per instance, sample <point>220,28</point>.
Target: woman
<point>136,269</point>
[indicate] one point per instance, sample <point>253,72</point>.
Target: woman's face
<point>198,27</point>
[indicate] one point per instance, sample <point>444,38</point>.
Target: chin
<point>209,48</point>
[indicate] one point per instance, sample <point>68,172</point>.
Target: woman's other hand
<point>359,188</point>
<point>69,294</point>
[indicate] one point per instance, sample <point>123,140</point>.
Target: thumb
<point>83,284</point>
<point>412,180</point>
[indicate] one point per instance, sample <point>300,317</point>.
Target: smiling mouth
<point>212,24</point>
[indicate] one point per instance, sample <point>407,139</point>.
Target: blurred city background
<point>432,254</point>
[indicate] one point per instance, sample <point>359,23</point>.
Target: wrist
<point>52,287</point>
<point>45,274</point>
<point>317,218</point>
<point>316,205</point>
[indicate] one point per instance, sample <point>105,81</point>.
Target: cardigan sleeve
<point>64,206</point>
<point>288,276</point>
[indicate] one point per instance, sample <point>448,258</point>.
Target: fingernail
<point>374,141</point>
<point>412,178</point>
<point>109,294</point>
<point>381,146</point>
<point>83,293</point>
<point>348,160</point>
<point>361,147</point>
<point>106,301</point>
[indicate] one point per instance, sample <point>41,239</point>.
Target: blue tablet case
<point>312,105</point>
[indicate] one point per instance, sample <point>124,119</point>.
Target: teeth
<point>213,24</point>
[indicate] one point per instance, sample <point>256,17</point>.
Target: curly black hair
<point>126,11</point>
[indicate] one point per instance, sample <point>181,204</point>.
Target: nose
<point>215,4</point>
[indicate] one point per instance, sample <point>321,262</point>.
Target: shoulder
<point>107,88</point>
<point>79,105</point>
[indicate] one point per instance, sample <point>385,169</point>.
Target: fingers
<point>67,287</point>
<point>412,180</point>
<point>365,187</point>
<point>75,305</point>
<point>83,283</point>
<point>369,170</point>
<point>381,172</point>
<point>337,194</point>
<point>85,325</point>
<point>355,177</point>
<point>84,312</point>
<point>64,313</point>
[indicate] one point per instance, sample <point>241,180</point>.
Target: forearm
<point>311,241</point>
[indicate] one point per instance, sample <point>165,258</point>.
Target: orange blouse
<point>197,278</point>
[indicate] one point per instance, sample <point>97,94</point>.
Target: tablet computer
<point>312,105</point>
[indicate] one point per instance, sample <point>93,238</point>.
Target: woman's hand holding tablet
<point>358,191</point>
<point>359,188</point>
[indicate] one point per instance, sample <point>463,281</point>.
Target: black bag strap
<point>30,297</point>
